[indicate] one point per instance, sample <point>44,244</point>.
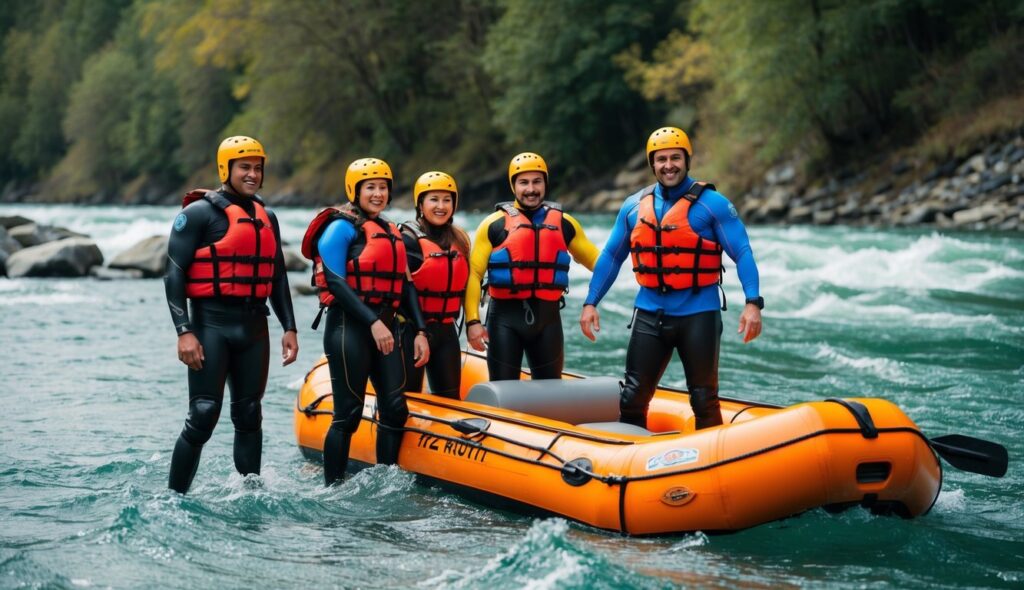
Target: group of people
<point>391,295</point>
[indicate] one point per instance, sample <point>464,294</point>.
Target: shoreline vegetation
<point>874,113</point>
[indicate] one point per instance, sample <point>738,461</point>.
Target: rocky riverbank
<point>983,191</point>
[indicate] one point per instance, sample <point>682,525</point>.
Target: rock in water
<point>9,221</point>
<point>293,261</point>
<point>70,257</point>
<point>148,256</point>
<point>34,234</point>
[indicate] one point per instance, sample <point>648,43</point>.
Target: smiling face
<point>437,207</point>
<point>529,188</point>
<point>669,166</point>
<point>373,196</point>
<point>246,175</point>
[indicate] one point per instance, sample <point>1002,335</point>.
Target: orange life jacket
<point>669,255</point>
<point>533,261</point>
<point>376,260</point>
<point>240,264</point>
<point>441,280</point>
<point>377,271</point>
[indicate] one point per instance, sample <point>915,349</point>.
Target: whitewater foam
<point>887,369</point>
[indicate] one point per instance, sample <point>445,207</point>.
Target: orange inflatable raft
<point>555,448</point>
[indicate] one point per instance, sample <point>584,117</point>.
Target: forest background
<point>124,101</point>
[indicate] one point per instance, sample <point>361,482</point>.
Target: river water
<point>93,398</point>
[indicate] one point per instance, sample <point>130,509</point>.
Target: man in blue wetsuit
<point>675,231</point>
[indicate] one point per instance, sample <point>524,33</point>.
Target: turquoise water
<point>93,398</point>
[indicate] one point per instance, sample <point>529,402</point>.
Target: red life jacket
<point>240,264</point>
<point>441,280</point>
<point>376,260</point>
<point>533,261</point>
<point>309,249</point>
<point>377,271</point>
<point>669,255</point>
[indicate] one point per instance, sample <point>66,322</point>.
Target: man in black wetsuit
<point>225,257</point>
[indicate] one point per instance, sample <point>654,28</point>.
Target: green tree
<point>559,91</point>
<point>49,41</point>
<point>826,76</point>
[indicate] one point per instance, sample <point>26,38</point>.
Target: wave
<point>858,262</point>
<point>872,309</point>
<point>545,558</point>
<point>882,368</point>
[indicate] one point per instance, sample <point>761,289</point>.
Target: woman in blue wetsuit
<point>675,231</point>
<point>360,268</point>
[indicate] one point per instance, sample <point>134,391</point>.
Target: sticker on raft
<point>672,457</point>
<point>467,450</point>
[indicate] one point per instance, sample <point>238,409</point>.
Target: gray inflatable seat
<point>618,428</point>
<point>575,401</point>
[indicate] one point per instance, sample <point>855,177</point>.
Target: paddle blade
<point>972,454</point>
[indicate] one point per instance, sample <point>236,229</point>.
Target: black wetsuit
<point>695,338</point>
<point>353,359</point>
<point>532,326</point>
<point>235,338</point>
<point>444,369</point>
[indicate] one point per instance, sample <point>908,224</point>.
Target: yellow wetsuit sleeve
<point>582,249</point>
<point>478,257</point>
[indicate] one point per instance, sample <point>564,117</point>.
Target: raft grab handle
<point>860,413</point>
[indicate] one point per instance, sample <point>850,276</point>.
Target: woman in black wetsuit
<point>224,256</point>
<point>437,254</point>
<point>360,267</point>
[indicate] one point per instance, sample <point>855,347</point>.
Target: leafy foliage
<point>99,96</point>
<point>563,95</point>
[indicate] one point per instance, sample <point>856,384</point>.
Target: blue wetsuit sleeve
<point>615,251</point>
<point>334,243</point>
<point>723,219</point>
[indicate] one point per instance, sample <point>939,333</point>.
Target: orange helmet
<point>526,162</point>
<point>669,137</point>
<point>365,169</point>
<point>233,148</point>
<point>434,181</point>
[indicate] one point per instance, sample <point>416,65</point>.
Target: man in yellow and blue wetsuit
<point>524,247</point>
<point>675,231</point>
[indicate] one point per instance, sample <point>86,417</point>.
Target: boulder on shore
<point>70,257</point>
<point>148,256</point>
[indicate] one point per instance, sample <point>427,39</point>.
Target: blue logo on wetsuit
<point>180,221</point>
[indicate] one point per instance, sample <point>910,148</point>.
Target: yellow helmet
<point>669,137</point>
<point>365,169</point>
<point>233,148</point>
<point>526,162</point>
<point>434,181</point>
